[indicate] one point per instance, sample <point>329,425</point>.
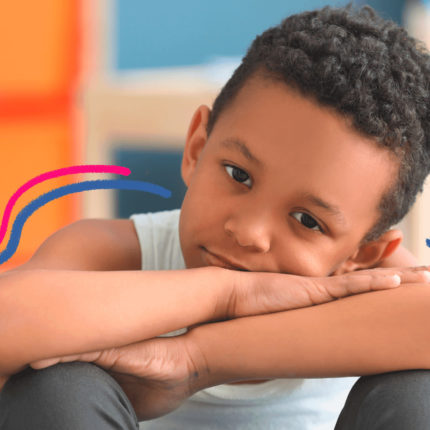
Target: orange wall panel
<point>30,148</point>
<point>37,45</point>
<point>40,48</point>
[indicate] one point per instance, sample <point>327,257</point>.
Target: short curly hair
<point>365,68</point>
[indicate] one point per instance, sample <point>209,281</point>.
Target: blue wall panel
<point>166,33</point>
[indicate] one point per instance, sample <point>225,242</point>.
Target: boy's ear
<point>195,141</point>
<point>372,253</point>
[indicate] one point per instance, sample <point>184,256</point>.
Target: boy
<point>268,191</point>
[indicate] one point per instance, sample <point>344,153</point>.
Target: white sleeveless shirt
<point>287,404</point>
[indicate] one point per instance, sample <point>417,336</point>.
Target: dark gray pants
<point>82,396</point>
<point>394,401</point>
<point>67,396</point>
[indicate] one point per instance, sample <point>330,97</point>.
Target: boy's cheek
<point>305,264</point>
<point>315,261</point>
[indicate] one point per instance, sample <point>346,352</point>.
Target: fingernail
<point>426,275</point>
<point>396,279</point>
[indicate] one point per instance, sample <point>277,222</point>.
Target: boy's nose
<point>250,231</point>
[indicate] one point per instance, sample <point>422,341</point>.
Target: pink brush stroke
<point>89,168</point>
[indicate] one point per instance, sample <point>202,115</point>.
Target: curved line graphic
<point>89,168</point>
<point>37,203</point>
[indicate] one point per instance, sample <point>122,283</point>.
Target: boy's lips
<point>216,260</point>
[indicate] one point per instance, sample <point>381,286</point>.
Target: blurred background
<point>116,82</point>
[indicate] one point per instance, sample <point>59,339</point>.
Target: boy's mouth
<point>216,260</point>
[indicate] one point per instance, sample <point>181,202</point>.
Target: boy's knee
<point>60,383</point>
<point>395,401</point>
<point>68,395</point>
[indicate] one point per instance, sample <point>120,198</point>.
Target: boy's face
<point>280,185</point>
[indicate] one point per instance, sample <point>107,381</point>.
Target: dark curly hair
<point>366,68</point>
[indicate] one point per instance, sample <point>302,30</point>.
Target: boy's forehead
<point>268,101</point>
<point>295,112</point>
<point>256,94</point>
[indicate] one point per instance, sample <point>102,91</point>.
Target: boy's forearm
<point>364,334</point>
<point>47,313</point>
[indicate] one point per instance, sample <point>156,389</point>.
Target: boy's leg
<point>389,401</point>
<point>67,396</point>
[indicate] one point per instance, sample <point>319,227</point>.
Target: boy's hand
<point>157,375</point>
<point>259,293</point>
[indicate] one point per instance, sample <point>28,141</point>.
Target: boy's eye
<point>307,221</point>
<point>238,175</point>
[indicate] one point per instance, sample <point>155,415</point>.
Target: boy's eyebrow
<point>330,208</point>
<point>240,145</point>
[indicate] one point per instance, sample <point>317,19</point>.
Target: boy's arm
<point>50,313</point>
<point>46,313</point>
<point>83,290</point>
<point>364,334</point>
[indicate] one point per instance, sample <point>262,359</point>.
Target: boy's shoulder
<point>89,244</point>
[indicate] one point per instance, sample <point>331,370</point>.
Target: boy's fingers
<point>40,364</point>
<point>407,274</point>
<point>355,284</point>
<point>415,276</point>
<point>322,290</point>
<point>47,362</point>
<point>371,283</point>
<point>350,284</point>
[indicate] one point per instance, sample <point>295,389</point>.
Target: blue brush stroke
<point>428,242</point>
<point>100,184</point>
